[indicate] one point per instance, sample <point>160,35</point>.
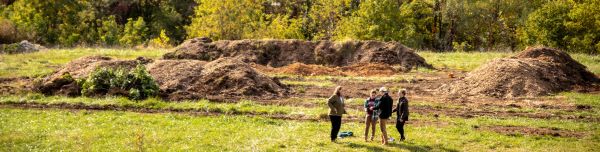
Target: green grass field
<point>46,61</point>
<point>85,130</point>
<point>33,122</point>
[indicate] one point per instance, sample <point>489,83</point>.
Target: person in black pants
<point>336,124</point>
<point>336,110</point>
<point>385,105</point>
<point>401,113</point>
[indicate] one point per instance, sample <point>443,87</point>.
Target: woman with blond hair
<point>336,110</point>
<point>371,118</point>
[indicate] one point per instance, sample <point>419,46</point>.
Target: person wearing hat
<point>336,110</point>
<point>401,113</point>
<point>384,106</point>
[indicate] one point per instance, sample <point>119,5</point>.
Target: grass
<point>55,130</point>
<point>465,61</point>
<point>592,100</point>
<point>239,107</point>
<point>45,62</point>
<point>592,62</point>
<point>82,130</point>
<point>468,61</point>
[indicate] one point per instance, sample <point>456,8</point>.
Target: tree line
<point>441,25</point>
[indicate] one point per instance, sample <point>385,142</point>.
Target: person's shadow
<point>409,147</point>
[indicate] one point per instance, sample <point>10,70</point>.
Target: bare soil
<point>531,73</point>
<point>520,130</point>
<point>277,53</point>
<point>224,78</point>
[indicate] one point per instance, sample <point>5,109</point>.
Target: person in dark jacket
<point>372,116</point>
<point>336,110</point>
<point>385,106</point>
<point>401,113</point>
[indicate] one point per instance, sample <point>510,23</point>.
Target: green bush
<point>109,31</point>
<point>136,84</point>
<point>162,41</point>
<point>134,33</point>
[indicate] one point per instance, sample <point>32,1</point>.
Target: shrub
<point>134,33</point>
<point>136,84</point>
<point>8,31</point>
<point>109,31</point>
<point>162,41</point>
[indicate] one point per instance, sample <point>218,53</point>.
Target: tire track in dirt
<point>466,112</point>
<point>530,131</point>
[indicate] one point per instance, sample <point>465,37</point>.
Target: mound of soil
<point>21,47</point>
<point>62,82</point>
<point>533,72</point>
<point>224,78</point>
<point>277,53</point>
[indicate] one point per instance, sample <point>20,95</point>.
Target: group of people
<point>378,106</point>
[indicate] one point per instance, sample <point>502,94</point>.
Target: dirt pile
<point>177,79</point>
<point>224,78</point>
<point>277,53</point>
<point>63,81</point>
<point>533,72</point>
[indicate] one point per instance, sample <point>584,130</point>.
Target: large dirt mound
<point>223,78</point>
<point>63,81</point>
<point>277,53</point>
<point>21,47</point>
<point>533,72</point>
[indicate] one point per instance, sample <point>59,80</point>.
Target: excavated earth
<point>278,53</point>
<point>531,73</point>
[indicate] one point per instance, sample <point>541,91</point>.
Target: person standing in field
<point>385,106</point>
<point>336,110</point>
<point>372,116</point>
<point>401,113</point>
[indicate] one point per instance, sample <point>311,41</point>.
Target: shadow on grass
<point>405,146</point>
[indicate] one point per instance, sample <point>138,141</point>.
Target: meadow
<point>34,122</point>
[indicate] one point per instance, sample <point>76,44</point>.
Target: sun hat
<point>383,89</point>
